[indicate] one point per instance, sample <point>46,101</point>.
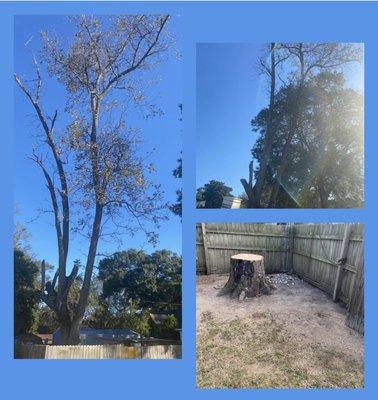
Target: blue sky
<point>162,133</point>
<point>229,95</point>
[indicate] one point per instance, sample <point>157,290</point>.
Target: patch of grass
<point>257,353</point>
<point>206,316</point>
<point>339,369</point>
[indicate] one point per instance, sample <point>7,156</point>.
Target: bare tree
<point>99,170</point>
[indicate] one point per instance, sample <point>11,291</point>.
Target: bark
<point>297,107</point>
<point>268,142</point>
<point>247,277</point>
<point>280,173</point>
<point>69,332</point>
<point>248,187</point>
<point>84,293</point>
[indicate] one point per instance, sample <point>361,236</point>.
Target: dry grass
<point>261,347</point>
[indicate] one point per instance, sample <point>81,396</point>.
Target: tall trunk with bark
<point>297,108</point>
<point>282,166</point>
<point>268,141</point>
<point>96,227</point>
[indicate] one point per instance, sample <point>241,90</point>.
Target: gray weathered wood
<point>226,239</point>
<point>291,248</point>
<point>110,351</point>
<point>355,318</point>
<point>342,260</point>
<point>205,248</point>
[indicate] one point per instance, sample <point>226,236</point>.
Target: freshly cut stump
<point>247,277</point>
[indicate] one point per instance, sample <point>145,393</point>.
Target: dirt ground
<point>295,337</point>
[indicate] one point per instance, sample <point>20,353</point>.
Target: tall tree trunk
<point>294,126</point>
<point>268,142</point>
<point>69,332</point>
<point>84,293</point>
<point>280,173</point>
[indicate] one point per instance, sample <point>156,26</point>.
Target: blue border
<point>201,22</point>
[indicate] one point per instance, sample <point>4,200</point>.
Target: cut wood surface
<point>247,257</point>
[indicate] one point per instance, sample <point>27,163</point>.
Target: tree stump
<point>247,277</point>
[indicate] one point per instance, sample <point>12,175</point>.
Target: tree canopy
<point>26,293</point>
<point>212,193</point>
<point>324,160</point>
<point>310,136</point>
<point>152,281</point>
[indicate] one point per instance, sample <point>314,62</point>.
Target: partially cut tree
<point>247,277</point>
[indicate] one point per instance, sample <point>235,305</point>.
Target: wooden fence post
<point>342,259</point>
<point>290,253</point>
<point>355,318</point>
<point>205,249</point>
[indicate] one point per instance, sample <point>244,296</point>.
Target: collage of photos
<point>289,122</point>
<point>280,305</point>
<point>112,236</point>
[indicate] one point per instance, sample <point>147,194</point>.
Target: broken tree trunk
<point>247,277</point>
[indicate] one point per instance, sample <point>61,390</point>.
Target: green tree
<point>168,330</point>
<point>134,284</point>
<point>323,163</point>
<point>285,121</point>
<point>26,295</point>
<point>212,193</point>
<point>151,280</point>
<point>176,208</point>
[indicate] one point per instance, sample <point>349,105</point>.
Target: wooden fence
<point>312,251</point>
<point>34,351</point>
<point>317,248</point>
<point>217,242</point>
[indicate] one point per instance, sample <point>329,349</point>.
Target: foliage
<point>212,193</point>
<point>136,283</point>
<point>152,280</point>
<point>21,236</point>
<point>168,330</point>
<point>304,157</point>
<point>176,208</point>
<point>137,321</point>
<point>324,164</point>
<point>45,321</point>
<point>26,295</point>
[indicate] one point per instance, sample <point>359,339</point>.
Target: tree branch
<point>134,65</point>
